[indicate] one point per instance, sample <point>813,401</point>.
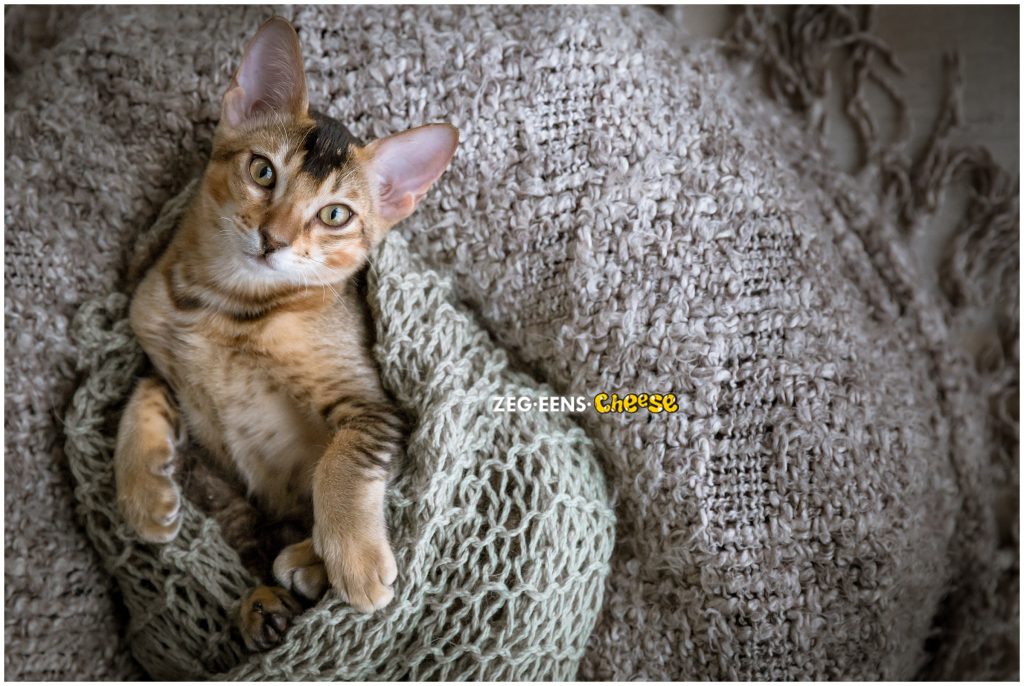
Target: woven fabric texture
<point>621,216</point>
<point>500,521</point>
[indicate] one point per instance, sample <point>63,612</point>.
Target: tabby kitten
<point>259,339</point>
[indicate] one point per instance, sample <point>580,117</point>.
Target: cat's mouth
<point>264,260</point>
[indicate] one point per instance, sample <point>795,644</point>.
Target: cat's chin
<point>271,273</point>
<point>259,269</point>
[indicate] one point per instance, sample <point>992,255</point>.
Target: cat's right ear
<point>270,78</point>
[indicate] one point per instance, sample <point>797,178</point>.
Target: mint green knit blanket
<point>500,521</point>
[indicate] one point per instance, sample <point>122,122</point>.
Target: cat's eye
<point>262,171</point>
<point>335,215</point>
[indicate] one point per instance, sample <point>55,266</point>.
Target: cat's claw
<point>265,615</point>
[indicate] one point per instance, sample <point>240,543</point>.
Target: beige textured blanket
<point>623,216</point>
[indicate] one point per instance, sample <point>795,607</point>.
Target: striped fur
<point>254,326</point>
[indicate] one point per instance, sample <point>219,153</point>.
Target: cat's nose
<point>268,243</point>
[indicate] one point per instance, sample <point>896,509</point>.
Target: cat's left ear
<point>404,166</point>
<point>270,78</point>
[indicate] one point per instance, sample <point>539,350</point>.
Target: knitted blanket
<point>621,217</point>
<point>500,522</point>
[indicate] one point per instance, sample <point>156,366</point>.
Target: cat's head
<point>297,198</point>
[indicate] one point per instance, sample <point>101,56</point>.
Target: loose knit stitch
<point>500,523</point>
<point>621,216</point>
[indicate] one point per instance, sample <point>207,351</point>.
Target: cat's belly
<point>237,412</point>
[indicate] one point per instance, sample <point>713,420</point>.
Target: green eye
<point>262,171</point>
<point>335,215</point>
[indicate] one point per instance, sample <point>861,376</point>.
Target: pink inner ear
<point>270,77</point>
<point>235,107</point>
<point>408,163</point>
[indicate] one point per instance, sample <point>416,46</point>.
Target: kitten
<point>252,321</point>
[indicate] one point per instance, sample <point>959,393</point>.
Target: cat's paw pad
<point>299,569</point>
<point>362,571</point>
<point>151,504</point>
<point>265,615</point>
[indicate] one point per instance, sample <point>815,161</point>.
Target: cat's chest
<point>244,413</point>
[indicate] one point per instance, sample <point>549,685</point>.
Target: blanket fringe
<point>978,274</point>
<point>795,51</point>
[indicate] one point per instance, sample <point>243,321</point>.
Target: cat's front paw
<point>361,569</point>
<point>150,502</point>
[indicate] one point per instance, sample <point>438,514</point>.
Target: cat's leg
<point>300,570</point>
<point>349,531</point>
<point>265,614</point>
<point>147,496</point>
